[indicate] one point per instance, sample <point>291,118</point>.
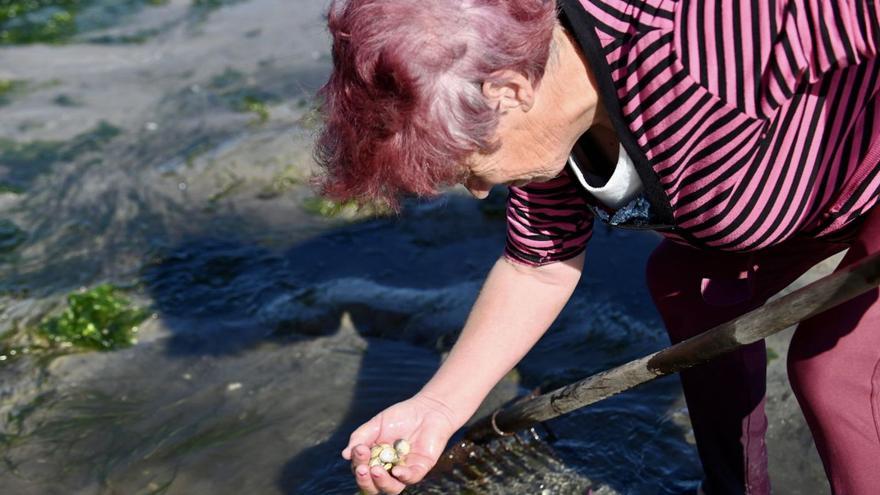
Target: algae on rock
<point>98,319</point>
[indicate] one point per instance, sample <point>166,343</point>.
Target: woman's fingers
<point>366,435</point>
<point>360,460</point>
<point>360,454</point>
<point>416,467</point>
<point>364,480</point>
<point>375,480</point>
<point>385,482</point>
<point>409,474</point>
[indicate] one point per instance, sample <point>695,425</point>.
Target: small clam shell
<point>388,466</point>
<point>374,452</point>
<point>375,462</point>
<point>402,447</point>
<point>388,455</point>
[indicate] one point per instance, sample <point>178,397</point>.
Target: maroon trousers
<point>833,361</point>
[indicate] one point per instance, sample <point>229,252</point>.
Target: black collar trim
<point>580,23</point>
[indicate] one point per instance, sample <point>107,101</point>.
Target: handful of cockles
<point>388,456</point>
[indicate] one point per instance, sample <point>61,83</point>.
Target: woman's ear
<point>507,89</point>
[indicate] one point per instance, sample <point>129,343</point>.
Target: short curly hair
<point>404,106</point>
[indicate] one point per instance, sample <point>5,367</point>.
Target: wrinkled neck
<point>567,100</point>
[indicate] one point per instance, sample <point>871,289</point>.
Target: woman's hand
<point>515,306</point>
<point>426,423</point>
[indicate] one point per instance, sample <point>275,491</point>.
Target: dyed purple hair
<point>404,106</point>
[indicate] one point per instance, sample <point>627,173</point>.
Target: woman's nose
<point>477,187</point>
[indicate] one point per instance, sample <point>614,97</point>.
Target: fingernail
<point>362,470</point>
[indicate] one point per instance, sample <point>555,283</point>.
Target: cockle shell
<point>402,447</point>
<point>388,455</point>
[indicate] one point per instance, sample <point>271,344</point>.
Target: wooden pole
<point>758,324</point>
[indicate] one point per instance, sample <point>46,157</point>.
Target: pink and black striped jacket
<point>750,122</point>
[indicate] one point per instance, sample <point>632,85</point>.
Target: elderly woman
<point>744,132</point>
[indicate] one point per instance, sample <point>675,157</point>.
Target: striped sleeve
<point>547,222</point>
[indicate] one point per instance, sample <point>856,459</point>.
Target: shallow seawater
<point>274,330</point>
<point>268,359</point>
<point>63,21</point>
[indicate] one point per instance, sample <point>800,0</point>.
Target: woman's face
<point>533,148</point>
<point>538,124</point>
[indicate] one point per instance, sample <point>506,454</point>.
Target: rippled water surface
<point>164,148</point>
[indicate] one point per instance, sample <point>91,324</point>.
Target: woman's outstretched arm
<point>517,304</point>
<point>515,307</point>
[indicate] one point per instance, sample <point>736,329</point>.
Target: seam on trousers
<point>746,458</point>
<point>875,399</point>
<point>747,481</point>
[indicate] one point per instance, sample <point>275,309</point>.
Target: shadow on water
<point>404,286</point>
<point>386,274</point>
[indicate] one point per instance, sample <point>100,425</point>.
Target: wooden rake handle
<point>773,317</point>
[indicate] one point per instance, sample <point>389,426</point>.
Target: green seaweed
<point>284,181</point>
<point>256,106</point>
<point>220,432</point>
<point>209,5</point>
<point>324,207</point>
<point>136,38</point>
<point>10,88</point>
<point>57,21</point>
<point>250,100</point>
<point>26,161</point>
<point>327,208</point>
<point>32,21</point>
<point>227,188</point>
<point>98,319</point>
<point>16,417</point>
<point>10,189</point>
<point>90,141</point>
<point>232,87</point>
<point>771,354</point>
<point>226,79</point>
<point>17,154</point>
